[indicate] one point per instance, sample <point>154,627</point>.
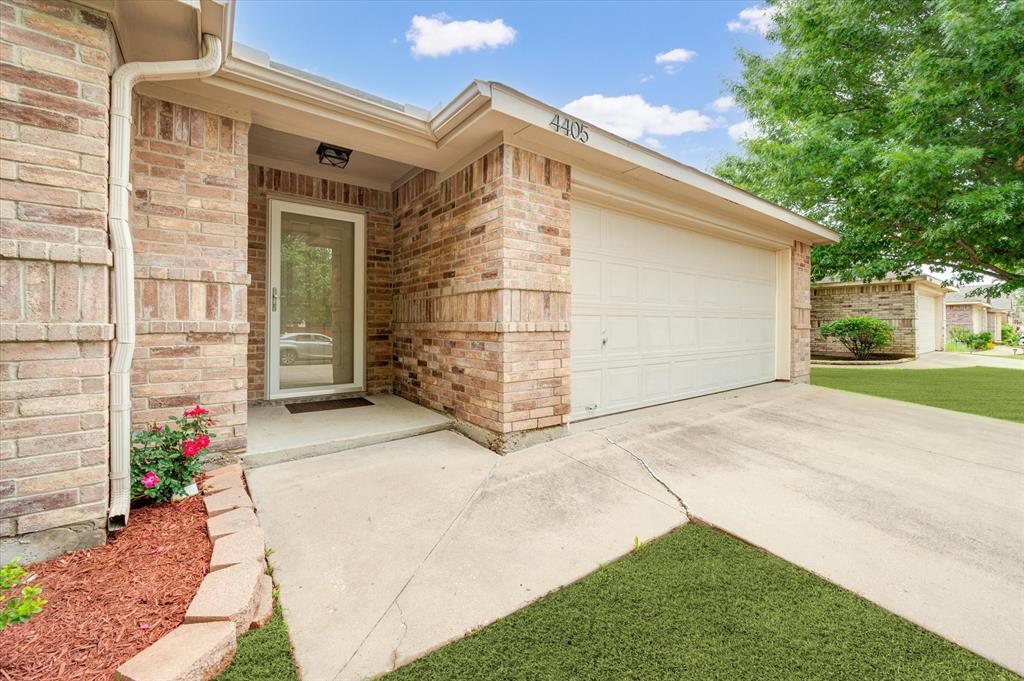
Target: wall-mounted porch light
<point>331,155</point>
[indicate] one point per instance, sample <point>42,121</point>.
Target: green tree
<point>898,123</point>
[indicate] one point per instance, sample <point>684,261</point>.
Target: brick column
<point>481,304</point>
<point>800,320</point>
<point>54,272</point>
<point>190,232</point>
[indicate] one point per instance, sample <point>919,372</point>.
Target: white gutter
<point>123,303</point>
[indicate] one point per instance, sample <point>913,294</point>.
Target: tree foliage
<point>898,123</point>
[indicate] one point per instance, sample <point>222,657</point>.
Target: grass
<point>698,604</point>
<point>263,654</point>
<point>985,391</point>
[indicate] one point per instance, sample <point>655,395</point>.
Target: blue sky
<point>600,61</point>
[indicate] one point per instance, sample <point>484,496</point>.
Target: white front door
<point>661,313</point>
<point>316,291</point>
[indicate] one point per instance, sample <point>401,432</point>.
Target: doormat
<point>326,405</point>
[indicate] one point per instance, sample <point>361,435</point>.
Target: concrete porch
<point>276,435</point>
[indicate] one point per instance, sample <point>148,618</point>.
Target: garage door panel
<point>620,283</point>
<point>684,333</point>
<point>585,340</point>
<point>655,334</point>
<point>684,289</point>
<point>622,333</point>
<point>622,386</point>
<point>657,381</point>
<point>654,287</point>
<point>679,313</point>
<point>586,280</point>
<point>586,227</point>
<point>586,392</point>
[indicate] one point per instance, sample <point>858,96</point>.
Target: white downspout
<point>123,303</point>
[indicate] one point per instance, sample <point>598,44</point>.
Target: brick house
<point>175,233</point>
<point>966,309</point>
<point>914,308</point>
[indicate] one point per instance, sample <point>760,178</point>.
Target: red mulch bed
<point>108,603</point>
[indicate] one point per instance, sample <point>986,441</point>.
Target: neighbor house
<point>966,309</point>
<point>231,231</point>
<point>912,307</point>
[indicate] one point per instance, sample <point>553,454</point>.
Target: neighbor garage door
<point>926,322</point>
<point>661,313</point>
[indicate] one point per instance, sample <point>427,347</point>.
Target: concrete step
<point>277,436</point>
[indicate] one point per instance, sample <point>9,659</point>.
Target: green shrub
<point>860,335</point>
<point>1010,335</point>
<point>979,341</point>
<point>18,601</point>
<point>165,460</point>
<point>960,335</point>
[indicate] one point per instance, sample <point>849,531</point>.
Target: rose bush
<point>165,458</point>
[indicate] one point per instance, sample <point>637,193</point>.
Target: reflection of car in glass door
<point>306,348</point>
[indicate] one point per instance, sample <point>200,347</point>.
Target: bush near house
<point>165,459</point>
<point>1010,335</point>
<point>860,335</point>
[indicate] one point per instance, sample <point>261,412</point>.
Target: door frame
<point>274,210</point>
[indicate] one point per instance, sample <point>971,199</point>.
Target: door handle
<point>273,299</point>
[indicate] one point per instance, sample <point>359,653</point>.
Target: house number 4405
<point>570,128</point>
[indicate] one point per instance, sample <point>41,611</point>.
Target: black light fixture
<point>333,156</point>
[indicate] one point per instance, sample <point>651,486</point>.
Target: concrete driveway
<point>384,553</point>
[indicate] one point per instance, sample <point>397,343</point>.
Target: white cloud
<point>673,58</point>
<point>632,117</point>
<point>646,78</point>
<point>439,35</point>
<point>652,142</point>
<point>744,130</point>
<point>759,18</point>
<point>723,103</point>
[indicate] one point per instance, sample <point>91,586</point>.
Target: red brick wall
<point>189,229</point>
<point>54,272</point>
<point>481,304</point>
<point>377,205</point>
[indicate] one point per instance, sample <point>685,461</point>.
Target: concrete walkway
<point>384,553</point>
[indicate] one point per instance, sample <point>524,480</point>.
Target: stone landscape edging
<point>859,362</point>
<point>236,595</point>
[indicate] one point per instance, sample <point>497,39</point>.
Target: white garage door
<point>661,313</point>
<point>926,323</point>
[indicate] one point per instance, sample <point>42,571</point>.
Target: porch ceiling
<point>298,153</point>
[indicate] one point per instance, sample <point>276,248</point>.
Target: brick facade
<point>964,317</point>
<point>800,315</point>
<point>892,302</point>
<point>54,274</point>
<point>189,228</point>
<point>266,181</point>
<point>481,302</point>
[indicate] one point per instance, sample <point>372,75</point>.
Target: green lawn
<point>986,391</point>
<point>698,604</point>
<point>263,654</point>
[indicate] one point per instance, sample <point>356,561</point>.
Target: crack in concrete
<point>615,479</point>
<point>412,575</point>
<point>405,630</point>
<point>650,471</point>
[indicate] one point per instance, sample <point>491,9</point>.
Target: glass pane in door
<point>317,299</point>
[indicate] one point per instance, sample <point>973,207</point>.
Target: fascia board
<point>516,104</point>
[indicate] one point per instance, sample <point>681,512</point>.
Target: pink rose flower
<point>190,448</point>
<point>196,411</point>
<point>150,480</point>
